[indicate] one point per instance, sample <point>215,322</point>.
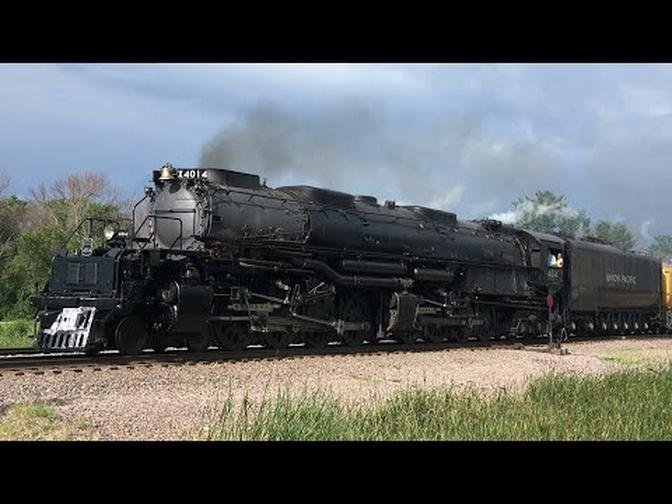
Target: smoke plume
<point>358,147</point>
<point>529,208</point>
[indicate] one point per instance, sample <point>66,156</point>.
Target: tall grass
<point>628,405</point>
<point>40,421</point>
<point>16,333</point>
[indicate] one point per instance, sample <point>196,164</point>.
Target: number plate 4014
<point>192,174</point>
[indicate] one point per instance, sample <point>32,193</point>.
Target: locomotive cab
<point>549,256</point>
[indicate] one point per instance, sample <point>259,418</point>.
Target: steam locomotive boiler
<point>224,260</point>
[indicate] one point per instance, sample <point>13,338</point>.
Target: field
<point>39,421</point>
<point>603,390</point>
<point>15,333</point>
<point>627,405</point>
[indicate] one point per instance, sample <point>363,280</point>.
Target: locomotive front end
<point>179,217</point>
<point>83,287</point>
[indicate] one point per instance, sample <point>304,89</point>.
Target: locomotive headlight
<point>109,232</point>
<point>169,294</point>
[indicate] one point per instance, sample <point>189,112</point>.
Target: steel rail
<point>39,361</point>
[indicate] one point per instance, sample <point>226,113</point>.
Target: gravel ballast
<point>173,402</point>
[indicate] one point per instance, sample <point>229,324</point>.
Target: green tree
<point>616,233</point>
<point>662,247</point>
<point>29,266</point>
<point>44,223</point>
<point>12,210</point>
<point>550,213</point>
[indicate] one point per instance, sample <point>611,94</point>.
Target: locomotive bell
<point>167,173</point>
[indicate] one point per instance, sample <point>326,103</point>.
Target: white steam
<point>531,209</point>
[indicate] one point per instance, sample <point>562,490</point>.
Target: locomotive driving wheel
<point>131,335</point>
<point>278,339</point>
<point>484,331</point>
<point>158,344</point>
<point>316,339</point>
<point>324,311</point>
<point>408,337</point>
<point>199,342</point>
<point>234,336</point>
<point>354,308</point>
<point>433,333</point>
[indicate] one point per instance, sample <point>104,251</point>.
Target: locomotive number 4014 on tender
<point>223,260</point>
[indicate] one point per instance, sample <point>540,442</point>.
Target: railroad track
<point>31,361</point>
<point>18,351</point>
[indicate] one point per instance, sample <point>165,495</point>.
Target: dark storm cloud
<point>469,138</point>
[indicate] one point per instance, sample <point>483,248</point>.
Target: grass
<point>16,333</point>
<point>627,405</point>
<point>626,359</point>
<point>39,421</point>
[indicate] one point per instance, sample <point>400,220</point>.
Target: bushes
<point>16,333</point>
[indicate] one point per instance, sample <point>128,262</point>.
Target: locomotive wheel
<point>92,351</point>
<point>408,338</point>
<point>278,339</point>
<point>457,335</point>
<point>323,310</point>
<point>316,339</point>
<point>131,335</point>
<point>234,337</point>
<point>484,332</point>
<point>199,342</point>
<point>433,333</point>
<point>353,309</point>
<point>157,342</point>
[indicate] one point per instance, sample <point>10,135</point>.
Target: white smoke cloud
<point>449,199</point>
<point>510,217</point>
<point>644,239</point>
<point>528,207</point>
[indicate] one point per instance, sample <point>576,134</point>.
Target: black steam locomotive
<point>224,260</point>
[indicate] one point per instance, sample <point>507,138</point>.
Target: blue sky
<point>468,138</point>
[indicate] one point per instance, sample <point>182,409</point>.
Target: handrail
<point>135,207</point>
<point>153,235</point>
<point>90,220</point>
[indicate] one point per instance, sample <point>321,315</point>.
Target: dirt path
<point>168,402</point>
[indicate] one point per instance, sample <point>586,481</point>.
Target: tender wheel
<point>278,339</point>
<point>131,335</point>
<point>234,337</point>
<point>199,342</point>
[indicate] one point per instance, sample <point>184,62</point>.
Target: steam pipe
<point>374,267</point>
<point>433,275</point>
<point>356,281</point>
